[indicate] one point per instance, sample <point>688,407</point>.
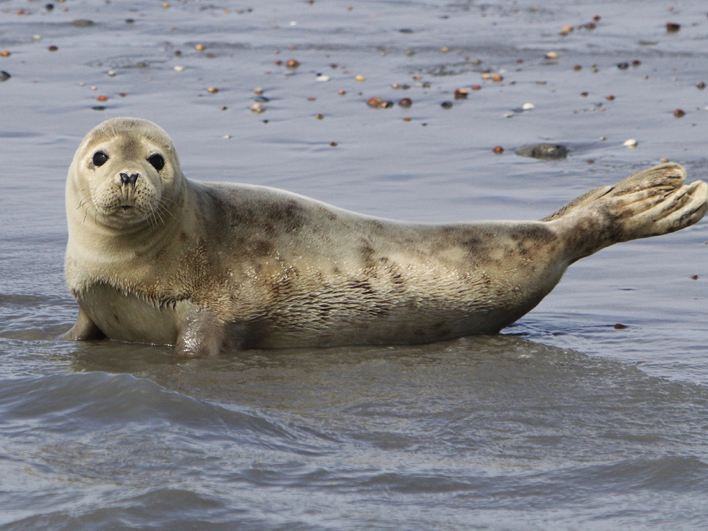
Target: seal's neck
<point>99,251</point>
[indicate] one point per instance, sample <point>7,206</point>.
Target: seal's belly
<point>129,317</point>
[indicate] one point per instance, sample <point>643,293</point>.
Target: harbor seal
<point>153,257</point>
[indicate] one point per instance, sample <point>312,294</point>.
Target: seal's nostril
<point>129,179</point>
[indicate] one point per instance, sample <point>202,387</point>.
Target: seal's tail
<point>652,202</point>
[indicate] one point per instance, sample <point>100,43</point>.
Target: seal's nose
<point>129,179</point>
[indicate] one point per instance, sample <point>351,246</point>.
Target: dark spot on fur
<point>260,247</point>
<point>367,256</point>
<point>183,236</point>
<point>289,214</point>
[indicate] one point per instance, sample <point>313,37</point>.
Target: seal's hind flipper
<point>652,202</point>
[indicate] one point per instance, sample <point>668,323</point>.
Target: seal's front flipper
<point>652,202</point>
<point>202,334</point>
<point>84,329</point>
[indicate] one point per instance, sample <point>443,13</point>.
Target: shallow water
<point>562,422</point>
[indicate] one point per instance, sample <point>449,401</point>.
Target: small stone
<point>486,76</point>
<point>292,64</point>
<point>476,87</point>
<point>200,47</point>
<point>319,116</point>
<point>623,66</point>
<point>636,62</point>
<point>99,108</point>
<point>700,85</point>
<point>375,102</point>
<point>584,94</point>
<point>663,160</point>
<point>258,108</point>
<point>4,53</point>
<point>544,151</point>
<point>341,92</point>
<point>333,144</point>
<point>631,143</point>
<point>405,103</point>
<point>672,27</point>
<point>596,18</point>
<point>53,48</point>
<point>178,68</point>
<point>610,97</point>
<point>406,118</point>
<point>212,90</point>
<point>551,56</point>
<point>590,26</point>
<point>322,77</point>
<point>446,105</point>
<point>620,326</point>
<point>678,113</point>
<point>395,86</point>
<point>694,277</point>
<point>528,106</point>
<point>258,91</point>
<point>498,150</point>
<point>223,108</point>
<point>37,37</point>
<point>565,30</point>
<point>497,78</point>
<point>444,49</point>
<point>461,93</point>
<point>102,98</point>
<point>360,78</point>
<point>4,76</point>
<point>111,73</point>
<point>226,137</point>
<point>577,68</point>
<point>82,23</point>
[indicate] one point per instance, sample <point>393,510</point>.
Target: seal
<point>153,257</point>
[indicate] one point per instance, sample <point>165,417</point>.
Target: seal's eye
<point>99,158</point>
<point>157,161</point>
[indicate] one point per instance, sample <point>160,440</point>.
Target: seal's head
<point>125,173</point>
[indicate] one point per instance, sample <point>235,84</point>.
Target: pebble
<point>53,48</point>
<point>446,105</point>
<point>498,150</point>
<point>610,97</point>
<point>623,66</point>
<point>405,103</point>
<point>258,108</point>
<point>4,76</point>
<point>4,53</point>
<point>551,56</point>
<point>497,78</point>
<point>200,47</point>
<point>179,68</point>
<point>292,64</point>
<point>375,102</point>
<point>102,98</point>
<point>700,85</point>
<point>476,87</point>
<point>407,118</point>
<point>99,108</point>
<point>212,90</point>
<point>461,93</point>
<point>333,144</point>
<point>258,90</point>
<point>360,78</point>
<point>631,143</point>
<point>678,113</point>
<point>82,23</point>
<point>694,277</point>
<point>620,326</point>
<point>319,116</point>
<point>663,160</point>
<point>341,92</point>
<point>322,77</point>
<point>528,106</point>
<point>544,151</point>
<point>111,73</point>
<point>672,27</point>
